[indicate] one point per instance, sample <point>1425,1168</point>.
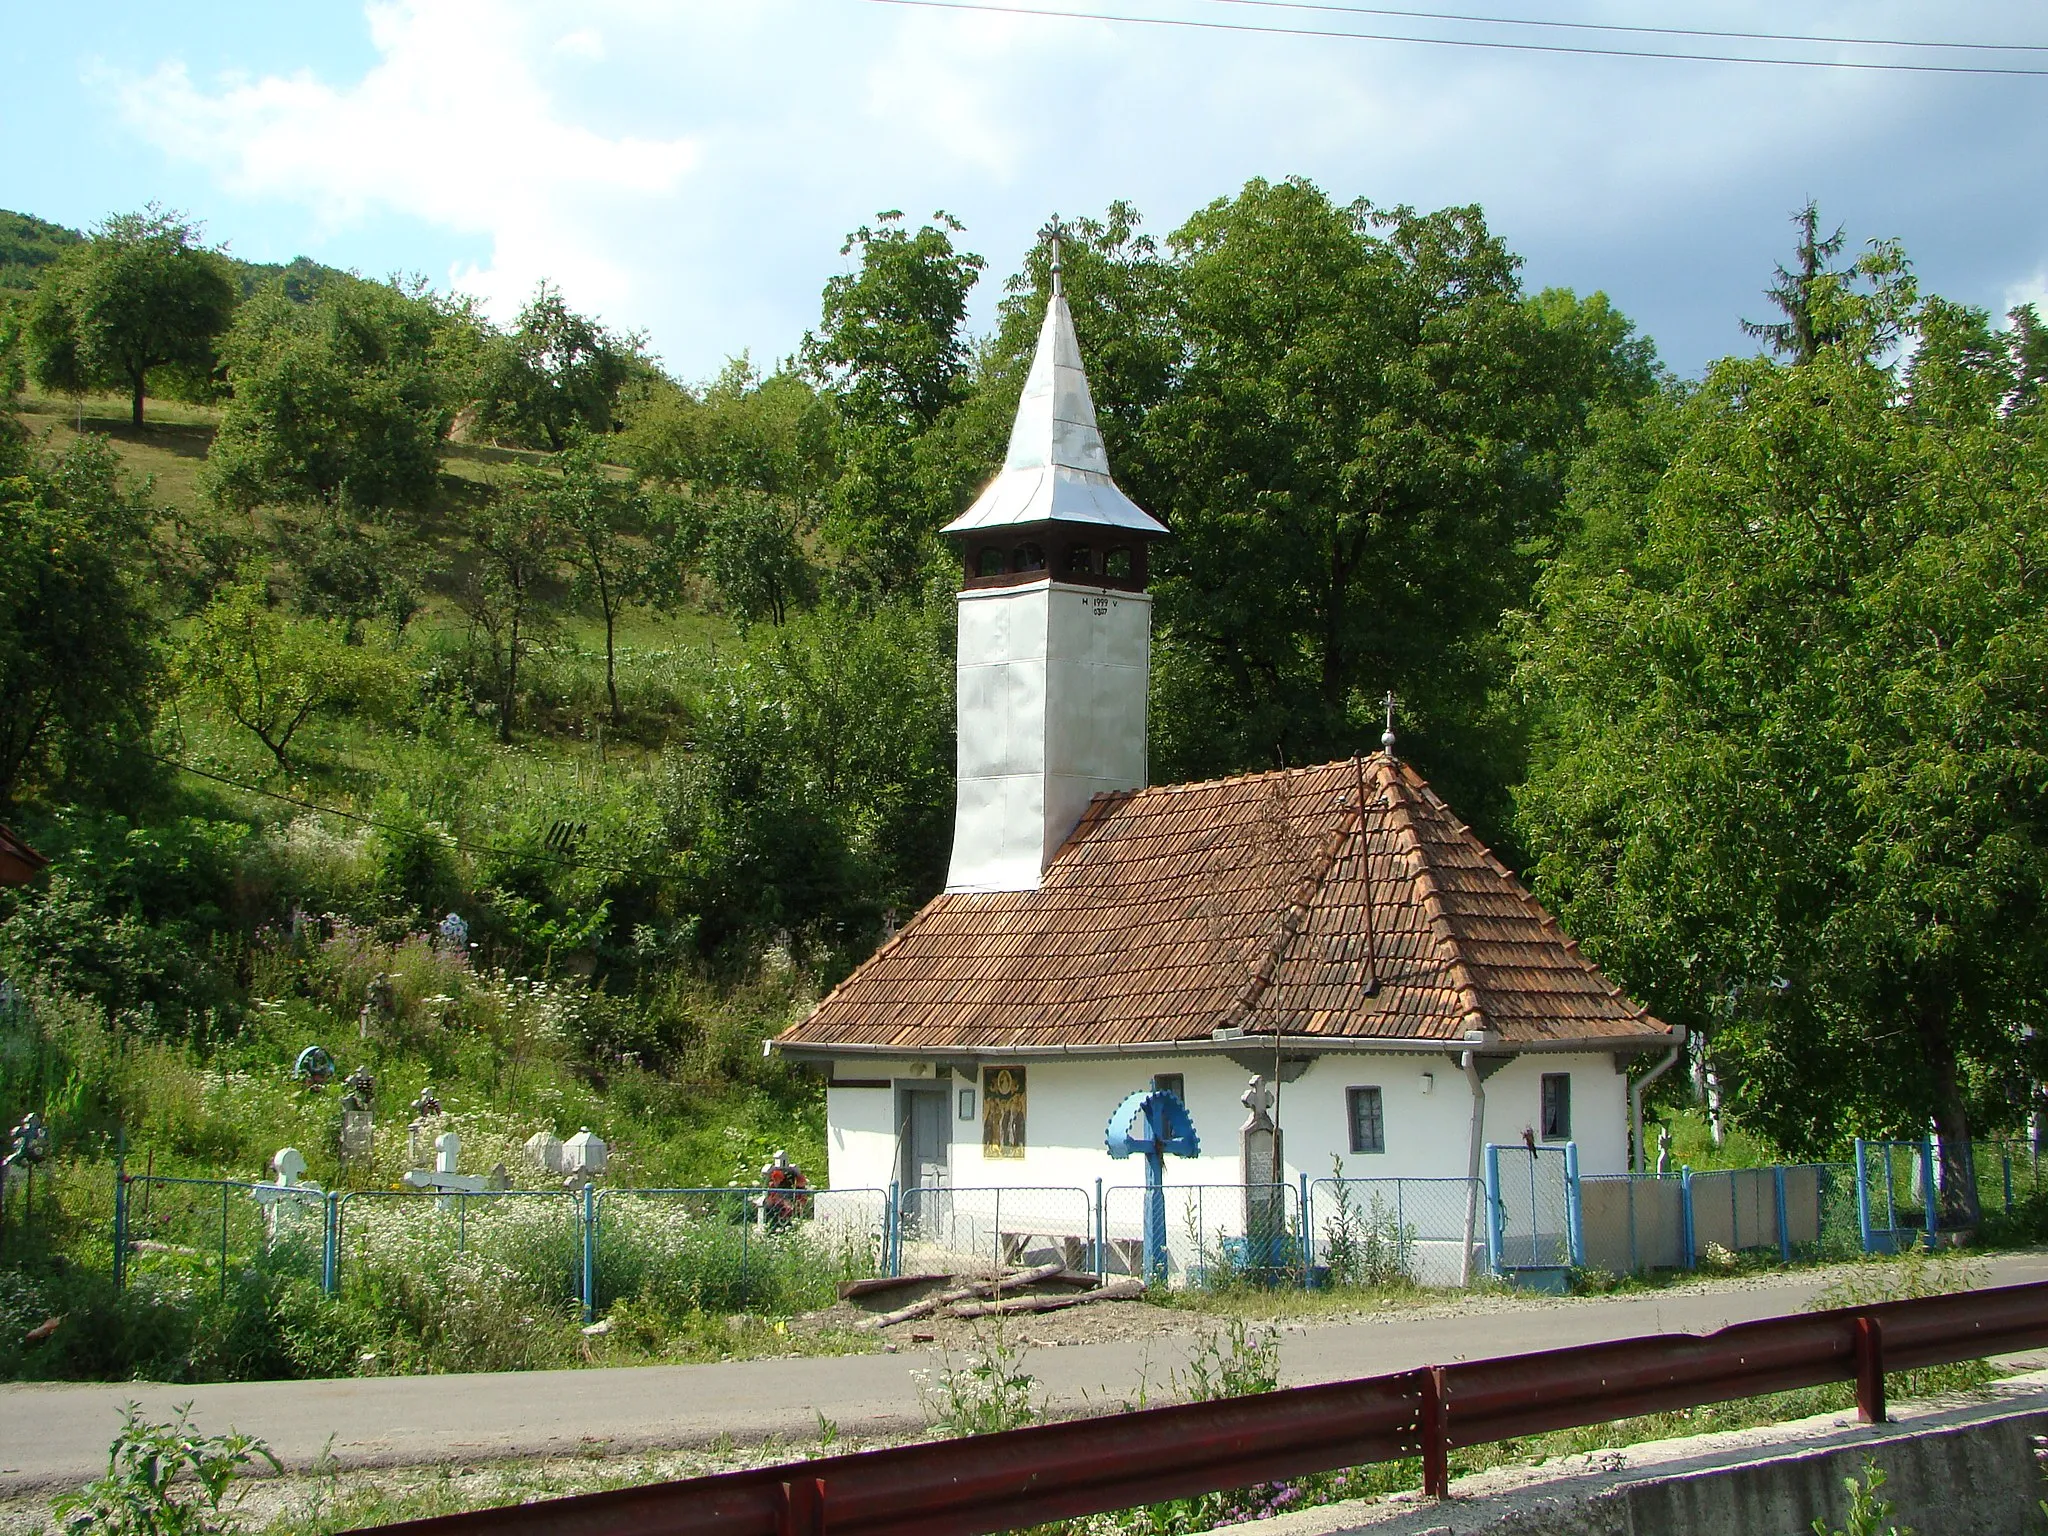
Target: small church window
<point>1002,1112</point>
<point>1116,565</point>
<point>1368,1121</point>
<point>1028,557</point>
<point>1557,1106</point>
<point>989,561</point>
<point>1080,560</point>
<point>1174,1083</point>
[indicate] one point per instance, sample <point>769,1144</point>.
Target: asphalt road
<point>56,1434</point>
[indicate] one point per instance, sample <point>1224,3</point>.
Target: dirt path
<point>54,1435</point>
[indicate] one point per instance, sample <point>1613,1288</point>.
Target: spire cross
<point>1054,232</point>
<point>1387,739</point>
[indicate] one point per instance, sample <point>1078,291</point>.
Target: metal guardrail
<point>1023,1477</point>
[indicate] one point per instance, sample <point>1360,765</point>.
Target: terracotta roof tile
<point>1264,901</point>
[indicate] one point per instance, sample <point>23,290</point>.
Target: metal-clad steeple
<point>1057,469</point>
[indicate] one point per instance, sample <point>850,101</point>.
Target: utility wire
<point>385,826</point>
<point>1493,45</point>
<point>1613,26</point>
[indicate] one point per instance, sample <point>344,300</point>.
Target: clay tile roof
<point>19,863</point>
<point>1261,902</point>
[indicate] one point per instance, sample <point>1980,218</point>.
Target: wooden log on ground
<point>946,1298</point>
<point>1116,1290</point>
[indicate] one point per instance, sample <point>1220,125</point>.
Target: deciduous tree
<point>557,373</point>
<point>266,671</point>
<point>1790,786</point>
<point>339,403</point>
<point>1360,450</point>
<point>142,294</point>
<point>516,540</point>
<point>79,665</point>
<point>891,345</point>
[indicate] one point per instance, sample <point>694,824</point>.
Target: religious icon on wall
<point>1002,1112</point>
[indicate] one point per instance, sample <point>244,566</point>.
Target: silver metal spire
<point>1057,469</point>
<point>1387,736</point>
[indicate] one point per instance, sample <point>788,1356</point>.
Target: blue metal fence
<point>1533,1219</point>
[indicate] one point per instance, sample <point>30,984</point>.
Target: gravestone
<point>1265,1198</point>
<point>544,1151</point>
<point>293,1207</point>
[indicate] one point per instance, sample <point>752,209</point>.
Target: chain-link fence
<point>1216,1234</point>
<point>1378,1232</point>
<point>769,1250</point>
<point>185,1236</point>
<point>2008,1176</point>
<point>943,1229</point>
<point>734,1249</point>
<point>400,1249</point>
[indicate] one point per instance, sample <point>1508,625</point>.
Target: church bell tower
<point>1055,629</point>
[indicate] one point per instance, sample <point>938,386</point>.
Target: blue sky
<point>690,169</point>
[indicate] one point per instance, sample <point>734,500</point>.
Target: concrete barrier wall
<point>1948,1471</point>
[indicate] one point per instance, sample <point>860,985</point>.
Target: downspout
<point>1636,1090</point>
<point>1470,1063</point>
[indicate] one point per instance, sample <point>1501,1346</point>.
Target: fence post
<point>1784,1223</point>
<point>120,1226</point>
<point>1436,1448</point>
<point>330,1240</point>
<point>1101,1262</point>
<point>589,1254</point>
<point>2005,1167</point>
<point>1635,1252</point>
<point>1496,1214</point>
<point>1869,1340</point>
<point>1863,1195</point>
<point>1308,1235</point>
<point>1929,1195</point>
<point>1685,1218</point>
<point>892,1232</point>
<point>800,1509</point>
<point>224,1242</point>
<point>1574,1213</point>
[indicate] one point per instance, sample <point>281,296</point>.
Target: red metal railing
<point>1083,1466</point>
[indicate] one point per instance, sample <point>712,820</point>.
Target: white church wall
<point>860,1137</point>
<point>1068,1103</point>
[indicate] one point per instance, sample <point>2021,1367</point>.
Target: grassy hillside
<point>176,962</point>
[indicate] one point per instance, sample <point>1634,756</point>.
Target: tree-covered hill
<point>27,245</point>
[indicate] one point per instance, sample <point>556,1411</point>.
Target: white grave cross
<point>291,1201</point>
<point>442,1177</point>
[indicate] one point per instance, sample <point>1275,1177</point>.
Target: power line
<point>1492,45</point>
<point>1610,26</point>
<point>385,826</point>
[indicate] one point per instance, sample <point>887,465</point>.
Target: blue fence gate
<point>1536,1236</point>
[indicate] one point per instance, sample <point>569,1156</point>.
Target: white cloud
<point>585,43</point>
<point>2029,290</point>
<point>690,166</point>
<point>454,124</point>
